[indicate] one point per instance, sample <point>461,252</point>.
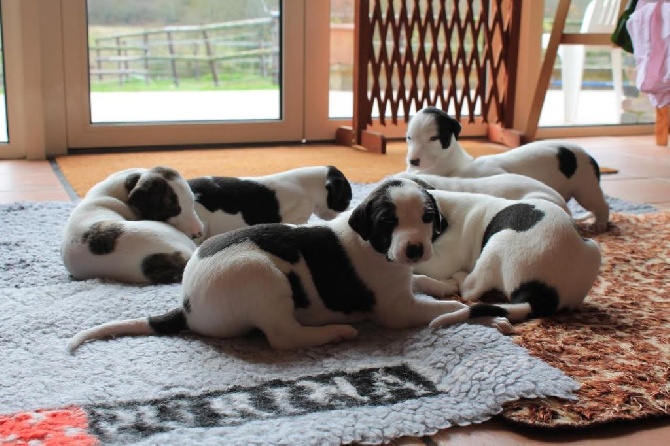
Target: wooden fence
<point>409,54</point>
<point>179,52</point>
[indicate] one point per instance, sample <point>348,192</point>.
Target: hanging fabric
<point>649,28</point>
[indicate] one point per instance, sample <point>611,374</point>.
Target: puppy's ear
<point>131,181</point>
<point>154,199</point>
<point>360,220</point>
<point>448,127</point>
<point>440,223</point>
<point>339,190</point>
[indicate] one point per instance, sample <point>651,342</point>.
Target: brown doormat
<point>84,171</point>
<point>617,345</point>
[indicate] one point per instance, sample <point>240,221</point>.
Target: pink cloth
<point>649,29</point>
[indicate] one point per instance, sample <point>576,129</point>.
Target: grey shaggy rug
<point>192,390</point>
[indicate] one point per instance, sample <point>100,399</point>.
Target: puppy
<point>503,185</point>
<point>302,285</point>
<point>227,203</point>
<point>433,148</point>
<point>528,251</point>
<point>136,226</point>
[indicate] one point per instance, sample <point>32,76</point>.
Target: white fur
<point>241,286</point>
<point>552,252</point>
<point>536,160</point>
<point>107,203</point>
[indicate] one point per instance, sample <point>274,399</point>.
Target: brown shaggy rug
<point>618,344</point>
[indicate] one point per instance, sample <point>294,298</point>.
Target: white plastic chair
<point>600,16</point>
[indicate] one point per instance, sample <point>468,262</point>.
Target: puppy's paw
<point>502,324</point>
<point>599,226</point>
<point>438,289</point>
<point>459,277</point>
<point>343,333</point>
<point>450,288</point>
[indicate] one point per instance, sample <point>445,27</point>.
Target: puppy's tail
<point>171,322</point>
<point>513,312</point>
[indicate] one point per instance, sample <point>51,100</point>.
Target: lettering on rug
<point>277,398</point>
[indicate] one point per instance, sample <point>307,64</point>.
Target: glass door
<point>4,136</point>
<point>156,73</point>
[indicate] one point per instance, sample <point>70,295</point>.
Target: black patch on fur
<point>519,217</point>
<point>163,267</point>
<point>335,278</point>
<point>101,237</point>
<point>171,322</point>
<point>256,202</point>
<point>567,161</point>
<point>154,199</point>
<point>339,190</point>
<point>493,295</point>
<point>447,126</point>
<point>543,299</point>
<point>300,299</point>
<point>596,167</point>
<point>487,310</point>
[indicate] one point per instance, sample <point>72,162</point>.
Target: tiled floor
<point>644,176</point>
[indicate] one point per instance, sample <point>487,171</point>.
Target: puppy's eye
<point>387,221</point>
<point>428,217</point>
<point>409,138</point>
<point>434,138</point>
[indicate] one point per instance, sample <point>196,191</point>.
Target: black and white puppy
<point>527,251</point>
<point>503,185</point>
<point>292,196</point>
<point>302,285</point>
<point>135,226</point>
<point>433,148</point>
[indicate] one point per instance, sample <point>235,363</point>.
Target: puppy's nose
<point>415,162</point>
<point>196,235</point>
<point>414,252</point>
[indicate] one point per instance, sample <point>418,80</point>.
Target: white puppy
<point>135,226</point>
<point>503,185</point>
<point>433,148</point>
<point>302,285</point>
<point>227,203</point>
<point>527,250</point>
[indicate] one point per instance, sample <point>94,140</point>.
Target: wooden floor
<point>644,177</point>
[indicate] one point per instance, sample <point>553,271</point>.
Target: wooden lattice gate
<point>458,55</point>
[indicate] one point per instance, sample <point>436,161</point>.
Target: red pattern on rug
<point>617,345</point>
<point>46,427</point>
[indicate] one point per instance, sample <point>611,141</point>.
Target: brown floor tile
<point>34,195</point>
<point>641,190</point>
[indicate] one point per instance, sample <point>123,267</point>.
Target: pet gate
<point>458,55</point>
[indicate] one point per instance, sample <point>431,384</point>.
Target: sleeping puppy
<point>302,285</point>
<point>135,226</point>
<point>528,251</point>
<point>433,148</point>
<point>227,203</point>
<point>503,185</point>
